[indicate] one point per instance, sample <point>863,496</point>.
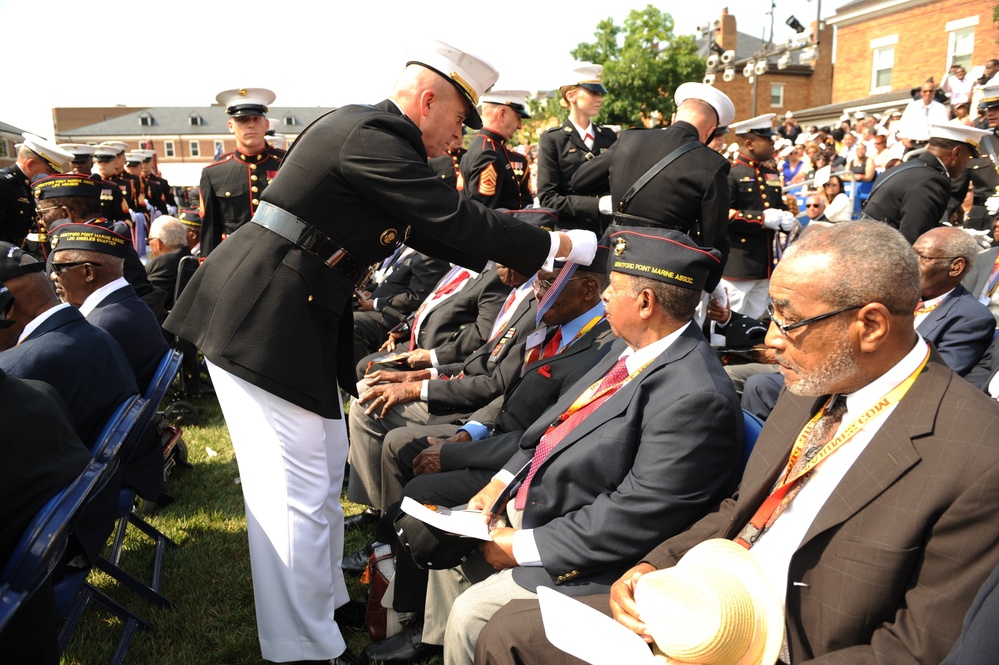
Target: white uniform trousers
<point>749,297</point>
<point>291,464</point>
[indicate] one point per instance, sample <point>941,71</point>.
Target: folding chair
<point>125,515</point>
<point>73,593</point>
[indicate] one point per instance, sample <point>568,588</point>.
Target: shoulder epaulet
<point>552,129</point>
<point>279,152</point>
<point>225,158</point>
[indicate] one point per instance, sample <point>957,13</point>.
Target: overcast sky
<point>183,52</point>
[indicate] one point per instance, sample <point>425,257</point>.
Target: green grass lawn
<point>207,577</point>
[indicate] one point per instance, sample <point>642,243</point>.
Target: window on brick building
<point>960,47</point>
<point>195,149</point>
<point>3,148</point>
<point>777,95</point>
<point>883,62</point>
<point>168,150</point>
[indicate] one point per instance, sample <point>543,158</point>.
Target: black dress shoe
<point>351,615</point>
<point>406,647</point>
<point>369,516</point>
<point>356,562</point>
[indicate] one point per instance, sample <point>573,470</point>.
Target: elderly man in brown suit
<point>882,532</point>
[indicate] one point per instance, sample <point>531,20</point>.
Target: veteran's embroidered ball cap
<point>89,238</point>
<point>67,184</point>
<point>472,76</point>
<point>664,255</point>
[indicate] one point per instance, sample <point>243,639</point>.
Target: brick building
<point>802,80</point>
<point>887,46</point>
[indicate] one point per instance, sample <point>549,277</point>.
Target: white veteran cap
<point>104,153</point>
<point>135,157</point>
<point>47,150</point>
<point>717,99</point>
<point>761,125</point>
<point>472,76</point>
<point>955,131</point>
<point>246,101</point>
<point>515,99</point>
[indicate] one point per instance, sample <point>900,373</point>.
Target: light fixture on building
<point>747,71</point>
<point>761,67</point>
<point>729,74</point>
<point>712,61</point>
<point>727,57</point>
<point>784,61</point>
<point>795,25</point>
<point>709,79</point>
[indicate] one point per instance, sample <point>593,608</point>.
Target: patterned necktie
<point>824,430</point>
<point>448,287</point>
<point>556,433</point>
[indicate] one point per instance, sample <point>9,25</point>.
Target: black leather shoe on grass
<point>406,647</point>
<point>369,516</point>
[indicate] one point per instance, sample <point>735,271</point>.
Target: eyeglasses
<point>813,205</point>
<point>41,210</point>
<point>785,328</point>
<point>545,284</point>
<point>57,268</point>
<point>928,259</point>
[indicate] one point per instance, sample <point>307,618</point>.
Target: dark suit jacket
<point>132,324</point>
<point>268,312</point>
<point>91,374</point>
<point>896,555</point>
<point>978,277</point>
<point>561,151</point>
<point>524,400</point>
<point>981,375</point>
<point>162,272</point>
<point>81,361</point>
<point>691,193</point>
<point>913,201</point>
<point>486,372</point>
<point>39,455</point>
<point>979,639</point>
<point>459,325</point>
<point>407,285</point>
<point>960,328</point>
<point>648,462</point>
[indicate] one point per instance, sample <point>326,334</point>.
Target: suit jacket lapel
<point>890,453</point>
<point>939,314</point>
<point>59,319</point>
<point>619,402</point>
<point>574,138</point>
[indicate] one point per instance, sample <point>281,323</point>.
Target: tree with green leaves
<point>642,69</point>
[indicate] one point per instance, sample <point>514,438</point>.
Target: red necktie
<point>556,433</point>
<point>444,290</point>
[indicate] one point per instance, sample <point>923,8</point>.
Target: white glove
<point>787,221</point>
<point>604,205</point>
<point>584,247</point>
<point>773,219</point>
<point>983,238</point>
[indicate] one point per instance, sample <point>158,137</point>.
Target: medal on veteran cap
<point>620,244</point>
